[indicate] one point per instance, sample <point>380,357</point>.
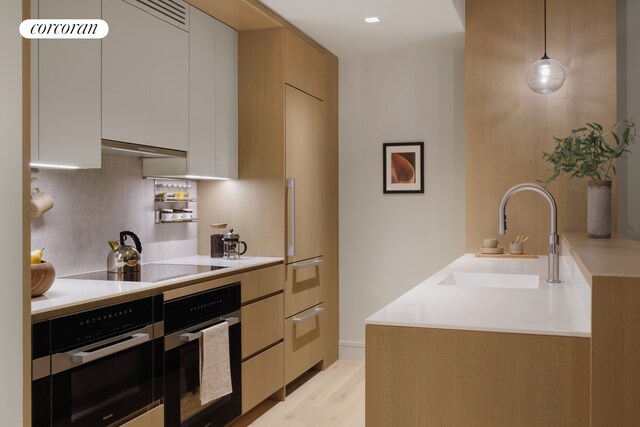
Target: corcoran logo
<point>64,28</point>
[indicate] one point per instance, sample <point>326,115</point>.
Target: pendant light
<point>546,75</point>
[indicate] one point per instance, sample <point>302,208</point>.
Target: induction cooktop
<point>149,273</point>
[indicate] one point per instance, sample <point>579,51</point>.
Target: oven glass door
<point>182,387</point>
<point>104,391</point>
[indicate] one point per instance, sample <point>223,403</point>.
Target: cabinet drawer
<point>262,376</point>
<point>304,66</point>
<point>153,418</point>
<point>303,287</point>
<point>303,341</point>
<point>262,324</point>
<point>265,281</point>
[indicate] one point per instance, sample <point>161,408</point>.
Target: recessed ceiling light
<point>372,20</point>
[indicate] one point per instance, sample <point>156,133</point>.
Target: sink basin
<point>491,280</point>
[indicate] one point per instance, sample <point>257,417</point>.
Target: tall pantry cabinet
<point>285,201</point>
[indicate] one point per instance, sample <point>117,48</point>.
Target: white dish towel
<point>215,369</point>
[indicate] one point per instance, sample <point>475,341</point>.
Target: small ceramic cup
<point>40,202</point>
<point>490,243</point>
<point>516,248</point>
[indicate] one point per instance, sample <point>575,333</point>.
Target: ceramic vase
<point>599,209</point>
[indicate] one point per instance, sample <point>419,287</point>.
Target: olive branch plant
<point>586,152</point>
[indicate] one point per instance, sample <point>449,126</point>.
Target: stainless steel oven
<point>184,319</point>
<point>102,364</point>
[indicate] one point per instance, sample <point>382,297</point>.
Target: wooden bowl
<point>42,277</point>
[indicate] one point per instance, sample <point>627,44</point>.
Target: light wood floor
<point>333,397</point>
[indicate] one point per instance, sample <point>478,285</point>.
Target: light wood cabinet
<point>445,377</point>
<point>262,376</point>
<point>262,324</point>
<point>303,285</point>
<point>287,129</point>
<point>65,79</point>
<point>303,341</point>
<point>145,78</point>
<point>304,138</point>
<point>263,282</point>
<point>153,418</point>
<point>304,66</point>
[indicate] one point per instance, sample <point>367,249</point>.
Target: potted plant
<point>586,153</point>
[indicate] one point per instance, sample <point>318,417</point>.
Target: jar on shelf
<point>218,231</point>
<point>187,214</point>
<point>166,214</point>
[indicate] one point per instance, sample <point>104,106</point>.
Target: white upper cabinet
<point>213,104</point>
<point>226,101</point>
<point>65,79</point>
<point>213,53</point>
<point>145,73</point>
<point>202,88</point>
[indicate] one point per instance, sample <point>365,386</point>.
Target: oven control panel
<point>193,309</point>
<point>94,325</point>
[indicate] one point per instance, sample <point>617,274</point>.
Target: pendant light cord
<point>545,31</point>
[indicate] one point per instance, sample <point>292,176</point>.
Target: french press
<point>232,244</point>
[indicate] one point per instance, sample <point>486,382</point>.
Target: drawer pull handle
<point>315,313</point>
<point>313,263</point>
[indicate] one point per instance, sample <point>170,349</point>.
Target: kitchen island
<point>483,342</point>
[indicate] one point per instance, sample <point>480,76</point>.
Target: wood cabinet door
<point>304,137</point>
<point>145,78</point>
<point>304,66</point>
<point>66,91</point>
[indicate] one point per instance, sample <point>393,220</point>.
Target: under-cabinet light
<point>206,177</point>
<point>52,166</point>
<point>372,20</point>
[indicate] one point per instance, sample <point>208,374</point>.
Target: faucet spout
<point>554,240</point>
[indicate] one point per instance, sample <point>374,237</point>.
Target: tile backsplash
<point>92,206</point>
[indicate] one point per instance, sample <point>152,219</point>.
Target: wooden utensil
<point>525,239</point>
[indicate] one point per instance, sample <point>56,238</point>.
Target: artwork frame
<point>403,167</point>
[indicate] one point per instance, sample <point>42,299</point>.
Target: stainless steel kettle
<point>124,259</point>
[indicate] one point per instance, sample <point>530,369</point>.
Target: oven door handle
<point>192,336</point>
<point>83,357</point>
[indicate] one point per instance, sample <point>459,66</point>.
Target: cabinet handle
<point>307,264</point>
<point>315,313</point>
<point>291,184</point>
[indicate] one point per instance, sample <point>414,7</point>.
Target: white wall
<point>629,106</point>
<point>93,206</point>
<point>11,225</point>
<point>390,243</point>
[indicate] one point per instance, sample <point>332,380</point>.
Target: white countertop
<point>70,292</point>
<point>549,309</point>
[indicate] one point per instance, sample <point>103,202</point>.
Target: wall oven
<point>184,320</point>
<point>102,364</point>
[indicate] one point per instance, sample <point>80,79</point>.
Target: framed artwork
<point>403,167</point>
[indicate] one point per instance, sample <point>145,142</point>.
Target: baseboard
<point>351,350</point>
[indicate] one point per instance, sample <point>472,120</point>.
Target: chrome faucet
<point>554,240</point>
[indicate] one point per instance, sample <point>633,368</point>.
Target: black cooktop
<point>149,273</point>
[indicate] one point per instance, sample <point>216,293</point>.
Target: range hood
<point>138,150</point>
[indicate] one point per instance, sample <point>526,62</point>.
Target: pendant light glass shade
<point>546,76</point>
